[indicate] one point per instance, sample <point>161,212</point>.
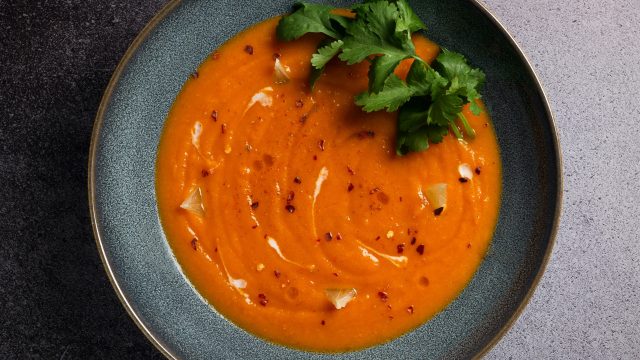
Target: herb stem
<point>467,128</point>
<point>455,130</point>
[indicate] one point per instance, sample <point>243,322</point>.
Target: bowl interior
<point>141,264</point>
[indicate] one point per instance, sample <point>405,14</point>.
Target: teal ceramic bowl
<point>140,263</point>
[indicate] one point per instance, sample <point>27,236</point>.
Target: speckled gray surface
<point>57,303</point>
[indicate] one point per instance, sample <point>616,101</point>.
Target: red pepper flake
<point>268,159</point>
<point>322,323</point>
<point>373,191</point>
<point>413,240</point>
<point>299,103</point>
<point>223,128</point>
<point>365,134</point>
<point>383,296</point>
<point>194,244</point>
<point>277,274</point>
<point>486,124</point>
<point>438,211</point>
<point>478,170</point>
<point>350,170</point>
<point>400,248</point>
<point>383,198</point>
<point>410,310</point>
<point>291,196</point>
<point>420,249</point>
<point>321,144</point>
<point>263,300</point>
<point>254,205</point>
<point>215,56</point>
<point>194,75</point>
<point>290,208</point>
<point>389,307</point>
<point>315,157</point>
<point>335,274</point>
<point>338,236</point>
<point>254,227</point>
<point>297,180</point>
<point>248,49</point>
<point>400,199</point>
<point>328,236</point>
<point>350,187</point>
<point>377,237</point>
<point>303,118</point>
<point>463,180</point>
<point>214,115</point>
<point>205,173</point>
<point>390,317</point>
<point>216,249</point>
<point>276,56</point>
<point>468,245</point>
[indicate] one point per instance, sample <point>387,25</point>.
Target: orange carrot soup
<point>290,212</point>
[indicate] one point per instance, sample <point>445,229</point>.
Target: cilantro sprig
<point>429,101</point>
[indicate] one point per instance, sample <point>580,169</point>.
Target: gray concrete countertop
<point>56,59</point>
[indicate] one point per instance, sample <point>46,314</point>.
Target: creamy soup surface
<point>290,212</point>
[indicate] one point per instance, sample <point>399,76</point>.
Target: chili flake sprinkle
<point>223,128</point>
<point>410,310</point>
<point>262,299</point>
<point>214,115</point>
<point>322,322</point>
<point>438,211</point>
<point>328,236</point>
<point>205,173</point>
<point>350,187</point>
<point>194,244</point>
<point>321,144</point>
<point>478,170</point>
<point>254,205</point>
<point>338,236</point>
<point>297,180</point>
<point>463,180</point>
<point>383,296</point>
<point>420,249</point>
<point>248,49</point>
<point>290,208</point>
<point>276,273</point>
<point>291,196</point>
<point>400,248</point>
<point>413,240</point>
<point>299,103</point>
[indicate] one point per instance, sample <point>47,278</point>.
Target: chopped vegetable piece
<point>465,171</point>
<point>193,203</point>
<point>437,195</point>
<point>281,73</point>
<point>340,297</point>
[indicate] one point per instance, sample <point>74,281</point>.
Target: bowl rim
<point>115,78</point>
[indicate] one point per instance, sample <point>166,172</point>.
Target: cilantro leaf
<point>325,53</point>
<point>327,50</point>
<point>310,18</point>
<point>408,20</point>
<point>373,33</point>
<point>393,95</point>
<point>465,81</point>
<point>414,134</point>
